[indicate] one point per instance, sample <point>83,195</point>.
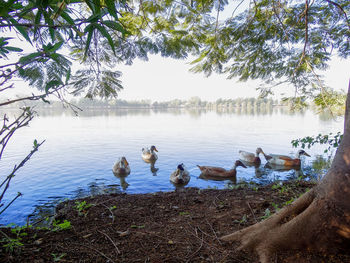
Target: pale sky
<point>162,79</point>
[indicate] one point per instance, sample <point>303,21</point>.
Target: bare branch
<point>17,167</point>
<point>33,97</point>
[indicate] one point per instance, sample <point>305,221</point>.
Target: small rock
<point>123,234</point>
<point>39,241</point>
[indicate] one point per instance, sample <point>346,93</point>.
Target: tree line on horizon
<point>193,102</point>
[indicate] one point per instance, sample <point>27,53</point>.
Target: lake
<point>79,152</point>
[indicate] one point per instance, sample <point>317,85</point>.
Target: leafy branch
<point>331,140</point>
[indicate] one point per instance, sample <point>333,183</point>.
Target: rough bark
<point>318,220</point>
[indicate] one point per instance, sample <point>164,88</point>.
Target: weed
<point>136,226</point>
<point>184,213</point>
<point>57,258</point>
<point>275,206</point>
<point>267,214</point>
<point>82,207</point>
<point>14,244</point>
<point>289,201</point>
<point>57,226</point>
<point>243,220</point>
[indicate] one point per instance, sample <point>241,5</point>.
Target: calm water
<point>77,158</point>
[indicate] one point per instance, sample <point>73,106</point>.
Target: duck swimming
<point>180,176</point>
<point>286,161</point>
<point>218,172</point>
<point>149,155</point>
<point>252,158</point>
<point>121,167</point>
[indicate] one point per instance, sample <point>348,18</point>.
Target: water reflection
<point>207,177</point>
<point>123,183</point>
<point>259,171</point>
<point>152,167</point>
<point>83,166</point>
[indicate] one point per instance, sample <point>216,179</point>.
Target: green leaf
<point>68,75</point>
<point>97,5</point>
<point>21,30</point>
<point>29,57</point>
<point>66,17</point>
<point>94,18</point>
<point>88,41</point>
<point>56,46</point>
<point>37,20</point>
<point>15,49</point>
<point>50,84</point>
<point>106,35</point>
<point>114,25</point>
<point>111,8</point>
<point>49,21</point>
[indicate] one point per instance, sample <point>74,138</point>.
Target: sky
<point>161,79</point>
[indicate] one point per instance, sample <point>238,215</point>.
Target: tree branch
<point>16,168</point>
<point>342,10</point>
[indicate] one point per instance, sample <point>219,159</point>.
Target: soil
<point>180,226</point>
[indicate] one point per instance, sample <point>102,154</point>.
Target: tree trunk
<point>318,220</point>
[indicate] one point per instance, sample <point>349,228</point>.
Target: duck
<point>218,172</point>
<point>121,167</point>
<point>180,176</point>
<point>252,158</point>
<point>286,161</point>
<point>149,155</point>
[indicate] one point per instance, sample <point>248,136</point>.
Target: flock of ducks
<point>181,176</point>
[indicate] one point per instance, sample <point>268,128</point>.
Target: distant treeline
<point>194,102</point>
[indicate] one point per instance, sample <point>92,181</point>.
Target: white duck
<point>180,176</point>
<point>149,155</point>
<point>121,167</point>
<point>252,158</point>
<point>286,161</point>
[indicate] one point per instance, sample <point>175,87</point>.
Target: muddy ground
<point>179,226</point>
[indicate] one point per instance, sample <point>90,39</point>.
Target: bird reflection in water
<point>278,168</point>
<point>123,183</point>
<point>153,169</point>
<point>121,170</point>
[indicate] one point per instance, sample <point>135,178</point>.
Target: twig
<point>81,244</point>
<point>15,169</point>
<point>110,212</point>
<point>198,249</point>
<point>18,195</point>
<point>33,97</point>
<point>342,10</point>
<point>118,251</point>
<point>236,8</point>
<point>212,229</point>
<point>252,212</point>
